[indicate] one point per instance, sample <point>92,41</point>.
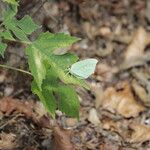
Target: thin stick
<point>16,69</point>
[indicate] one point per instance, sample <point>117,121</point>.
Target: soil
<point>114,114</point>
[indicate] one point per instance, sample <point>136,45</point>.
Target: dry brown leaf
<point>134,54</point>
<point>141,133</point>
<point>141,93</point>
<point>93,117</point>
<point>139,42</point>
<point>109,146</point>
<point>8,105</point>
<point>62,139</point>
<point>121,101</point>
<point>135,62</point>
<point>7,141</point>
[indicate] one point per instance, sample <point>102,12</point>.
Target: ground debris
<point>8,105</point>
<point>7,141</point>
<point>141,133</point>
<point>121,100</point>
<point>62,139</point>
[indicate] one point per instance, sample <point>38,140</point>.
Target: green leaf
<point>7,35</point>
<point>9,13</point>
<point>36,65</point>
<point>68,102</point>
<point>27,25</point>
<point>69,79</point>
<point>46,98</point>
<point>63,61</point>
<point>13,2</point>
<point>48,42</point>
<point>2,49</point>
<point>20,28</point>
<point>11,25</point>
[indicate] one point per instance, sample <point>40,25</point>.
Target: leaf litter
<point>115,113</point>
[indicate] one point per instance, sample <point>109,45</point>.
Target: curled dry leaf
<point>139,42</point>
<point>134,54</point>
<point>121,101</point>
<point>7,141</point>
<point>62,139</point>
<point>93,117</point>
<point>141,93</point>
<point>141,133</point>
<point>8,105</point>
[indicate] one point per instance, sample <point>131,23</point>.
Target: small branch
<point>16,69</point>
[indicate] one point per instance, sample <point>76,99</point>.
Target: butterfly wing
<point>84,68</point>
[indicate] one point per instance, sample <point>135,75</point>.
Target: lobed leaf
<point>7,35</point>
<point>27,25</point>
<point>9,13</point>
<point>36,65</point>
<point>68,101</point>
<point>20,28</point>
<point>48,42</point>
<point>46,97</point>
<point>63,61</point>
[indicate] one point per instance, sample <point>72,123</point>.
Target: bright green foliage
<point>27,25</point>
<point>2,48</point>
<point>36,65</point>
<point>13,2</point>
<point>48,42</point>
<point>52,82</point>
<point>46,97</point>
<point>7,35</point>
<point>20,28</point>
<point>68,101</point>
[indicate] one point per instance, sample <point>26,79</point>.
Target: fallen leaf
<point>8,105</point>
<point>7,141</point>
<point>93,117</point>
<point>109,146</point>
<point>141,133</point>
<point>141,93</point>
<point>62,139</point>
<point>134,54</point>
<point>139,42</point>
<point>121,100</point>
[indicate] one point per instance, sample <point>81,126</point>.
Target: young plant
<point>54,76</point>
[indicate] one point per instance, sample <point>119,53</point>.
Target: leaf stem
<point>16,69</point>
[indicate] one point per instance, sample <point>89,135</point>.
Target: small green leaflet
<point>13,2</point>
<point>20,28</point>
<point>2,48</point>
<point>84,68</point>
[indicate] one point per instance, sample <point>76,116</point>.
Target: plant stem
<point>16,69</point>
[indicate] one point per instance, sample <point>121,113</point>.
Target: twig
<point>16,69</point>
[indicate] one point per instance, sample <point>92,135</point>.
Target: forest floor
<point>115,113</point>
